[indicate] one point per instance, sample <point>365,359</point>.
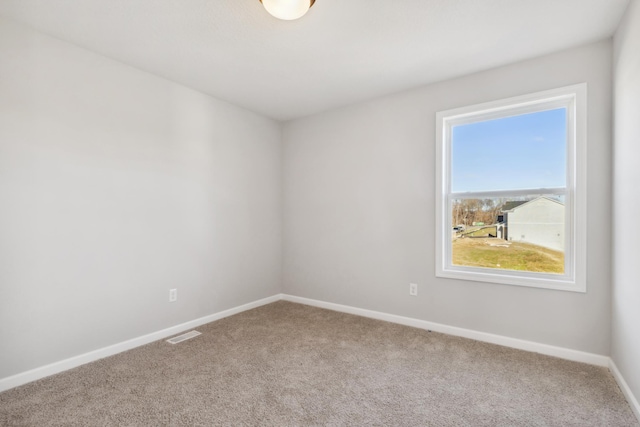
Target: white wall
<point>116,185</point>
<point>625,349</point>
<point>359,215</point>
<point>540,222</point>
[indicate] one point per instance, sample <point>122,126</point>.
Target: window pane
<point>511,153</point>
<point>520,233</point>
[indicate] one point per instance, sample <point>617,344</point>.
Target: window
<point>510,197</point>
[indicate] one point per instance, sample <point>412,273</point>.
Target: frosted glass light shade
<point>287,9</point>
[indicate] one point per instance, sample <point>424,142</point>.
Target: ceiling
<point>341,52</point>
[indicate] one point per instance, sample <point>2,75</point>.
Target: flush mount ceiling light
<point>287,9</point>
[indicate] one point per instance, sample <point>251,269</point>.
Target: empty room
<point>319,212</point>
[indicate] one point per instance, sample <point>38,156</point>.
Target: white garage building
<point>540,221</point>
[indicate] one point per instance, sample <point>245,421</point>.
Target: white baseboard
<point>549,350</point>
<point>63,365</point>
<point>626,390</point>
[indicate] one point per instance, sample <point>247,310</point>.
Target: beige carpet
<point>289,364</point>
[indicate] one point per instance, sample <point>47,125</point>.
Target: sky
<point>512,153</point>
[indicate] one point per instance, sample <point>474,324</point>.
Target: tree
<point>467,211</point>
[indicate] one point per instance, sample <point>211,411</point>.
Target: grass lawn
<point>479,252</point>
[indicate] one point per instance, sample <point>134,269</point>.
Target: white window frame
<point>574,99</point>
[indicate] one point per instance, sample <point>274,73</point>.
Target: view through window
<point>524,232</point>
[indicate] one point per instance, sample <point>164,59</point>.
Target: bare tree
<point>467,211</point>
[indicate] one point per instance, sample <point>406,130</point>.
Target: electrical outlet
<point>173,295</point>
<point>413,289</point>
